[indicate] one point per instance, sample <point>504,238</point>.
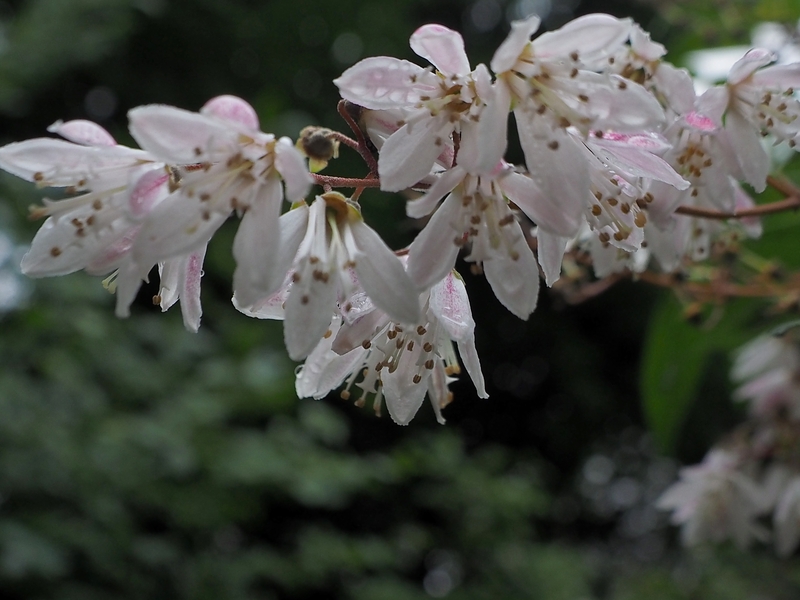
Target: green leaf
<point>674,359</point>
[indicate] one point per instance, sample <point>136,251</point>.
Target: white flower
<point>767,369</point>
<point>454,98</point>
<point>758,99</point>
<point>715,501</point>
<point>552,89</point>
<point>334,252</point>
<point>222,163</point>
<point>95,229</point>
<point>476,213</point>
<point>396,362</point>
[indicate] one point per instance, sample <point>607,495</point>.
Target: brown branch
<point>784,186</point>
<point>346,182</point>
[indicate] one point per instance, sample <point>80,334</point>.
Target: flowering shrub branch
<point>627,173</point>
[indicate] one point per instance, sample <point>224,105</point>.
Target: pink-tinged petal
<point>309,310</point>
<point>591,36</point>
<point>550,252</point>
<point>233,109</point>
<point>746,142</point>
<point>292,167</point>
<point>408,155</point>
<point>83,132</point>
<point>110,257</point>
<point>256,247</point>
<point>57,163</point>
<point>383,277</point>
<point>433,252</point>
<point>381,82</point>
<point>449,303</point>
<point>443,185</point>
<point>271,307</point>
<point>442,47</point>
<point>778,77</point>
<point>747,65</point>
<point>558,165</point>
<point>519,36</point>
<point>560,214</point>
<point>149,189</point>
<point>469,356</point>
<point>176,135</point>
<point>192,272</point>
<point>515,282</point>
<point>709,110</point>
<point>631,157</point>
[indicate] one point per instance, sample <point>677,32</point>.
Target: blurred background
<point>138,460</point>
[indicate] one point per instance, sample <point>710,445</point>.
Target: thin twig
<point>784,186</point>
<point>346,182</point>
<point>362,146</point>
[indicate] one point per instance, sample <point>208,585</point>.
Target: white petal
<point>515,282</point>
<point>438,393</point>
<point>407,156</point>
<point>232,109</point>
<point>383,277</point>
<point>176,135</point>
<point>403,396</point>
<point>779,76</point>
<point>562,215</point>
<point>309,310</point>
<point>550,252</point>
<point>442,47</point>
<point>442,186</point>
<point>469,356</point>
<point>519,36</point>
<point>175,226</point>
<point>382,82</point>
<point>562,174</point>
<point>711,105</point>
<point>752,157</point>
<point>271,307</point>
<point>292,167</point>
<point>433,252</point>
<point>630,155</point>
<point>256,247</point>
<point>677,87</point>
<point>592,36</point>
<point>747,65</point>
<point>58,163</point>
<point>361,330</point>
<point>324,370</point>
<point>83,132</point>
<point>483,143</point>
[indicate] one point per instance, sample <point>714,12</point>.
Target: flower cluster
<point>614,139</point>
<point>755,472</point>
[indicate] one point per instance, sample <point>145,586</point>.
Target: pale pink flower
<point>767,370</point>
<point>787,519</point>
<point>715,501</point>
<point>221,163</point>
<point>396,362</point>
<point>434,105</point>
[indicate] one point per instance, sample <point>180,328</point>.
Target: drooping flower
<point>715,501</point>
<point>395,362</point>
<point>332,253</point>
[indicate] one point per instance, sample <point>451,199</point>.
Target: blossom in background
<point>715,501</point>
<point>396,362</point>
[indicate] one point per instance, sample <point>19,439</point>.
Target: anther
<point>55,251</point>
<point>597,210</point>
<point>421,330</point>
<point>553,145</point>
